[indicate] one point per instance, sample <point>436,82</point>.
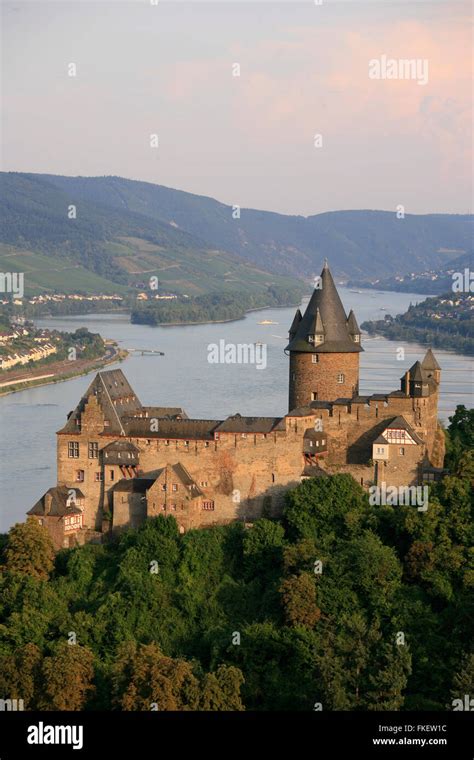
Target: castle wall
<point>244,475</point>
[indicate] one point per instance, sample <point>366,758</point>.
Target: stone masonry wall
<point>307,378</point>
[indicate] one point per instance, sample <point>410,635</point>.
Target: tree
<point>30,549</point>
<point>67,678</point>
<point>20,674</point>
<point>463,680</point>
<point>143,678</point>
<point>220,691</point>
<point>298,594</point>
<point>325,509</point>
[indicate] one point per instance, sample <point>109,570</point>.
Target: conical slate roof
<point>332,319</point>
<point>416,372</point>
<point>429,362</point>
<point>294,325</point>
<point>352,325</point>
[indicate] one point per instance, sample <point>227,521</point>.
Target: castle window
<point>174,487</point>
<point>163,486</point>
<point>173,507</point>
<point>112,475</point>
<point>317,444</point>
<point>401,451</point>
<point>93,450</point>
<point>273,477</point>
<point>203,483</point>
<point>293,375</point>
<point>315,358</point>
<point>80,476</point>
<point>243,435</point>
<point>216,436</point>
<point>206,445</point>
<point>314,396</point>
<point>163,507</point>
<point>310,338</point>
<point>167,443</point>
<point>99,477</point>
<point>341,378</point>
<point>186,443</point>
<point>323,442</point>
<point>73,450</point>
<point>208,505</point>
<point>356,338</point>
<point>41,522</point>
<point>318,338</point>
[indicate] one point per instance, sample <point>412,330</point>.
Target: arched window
<point>341,378</point>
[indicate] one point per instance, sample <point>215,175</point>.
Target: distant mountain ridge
<point>66,242</point>
<point>359,244</point>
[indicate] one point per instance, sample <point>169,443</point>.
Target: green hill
<point>106,249</point>
<point>127,231</point>
<point>358,243</point>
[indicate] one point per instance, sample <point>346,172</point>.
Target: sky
<point>168,69</point>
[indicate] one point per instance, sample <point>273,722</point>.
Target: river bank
<point>61,371</point>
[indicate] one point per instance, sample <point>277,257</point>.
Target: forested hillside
<point>338,604</point>
<point>359,244</point>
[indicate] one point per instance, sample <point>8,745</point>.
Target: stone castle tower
<point>324,348</point>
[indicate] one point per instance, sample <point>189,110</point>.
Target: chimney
<point>48,500</point>
<point>407,382</point>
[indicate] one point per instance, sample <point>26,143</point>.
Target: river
<point>184,377</point>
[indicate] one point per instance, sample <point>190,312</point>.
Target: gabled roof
<point>115,397</point>
<point>61,503</point>
<point>187,480</point>
<point>314,435</point>
<point>170,412</point>
<point>121,446</point>
<point>337,338</point>
<point>238,424</point>
<point>120,452</point>
<point>140,485</point>
<point>399,423</point>
<point>140,427</point>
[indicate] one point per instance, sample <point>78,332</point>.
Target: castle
<point>119,462</point>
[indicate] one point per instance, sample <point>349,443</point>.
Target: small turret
<point>353,327</point>
<point>431,366</point>
<point>295,324</point>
